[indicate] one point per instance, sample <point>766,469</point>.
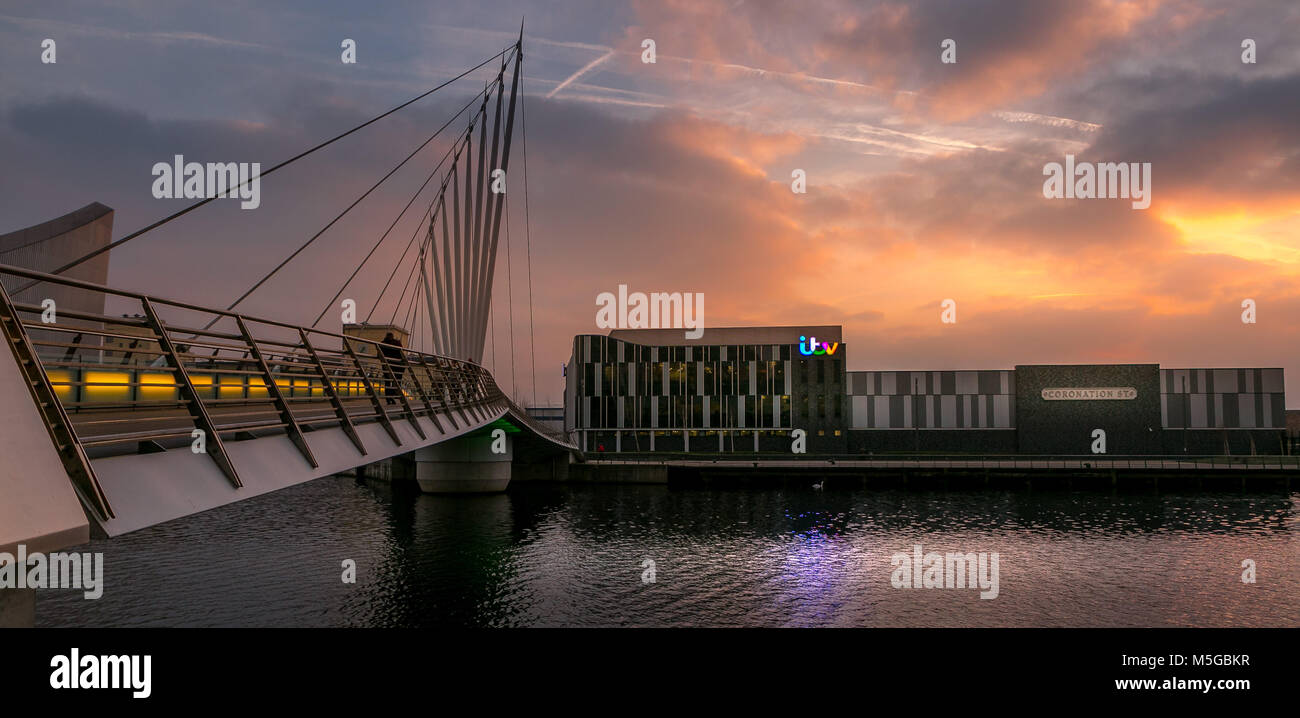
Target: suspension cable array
<point>453,265</point>
<point>464,262</point>
<point>119,242</point>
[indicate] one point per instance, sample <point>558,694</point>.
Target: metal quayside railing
<point>136,382</point>
<point>957,461</point>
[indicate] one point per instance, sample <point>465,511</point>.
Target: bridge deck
<point>121,429</point>
<point>277,404</point>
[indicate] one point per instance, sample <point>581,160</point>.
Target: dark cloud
<point>1242,141</point>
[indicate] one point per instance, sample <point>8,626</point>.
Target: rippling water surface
<point>572,555</point>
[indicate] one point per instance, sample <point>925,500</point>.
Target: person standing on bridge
<point>392,350</point>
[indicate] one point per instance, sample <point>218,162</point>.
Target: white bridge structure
<point>115,423</point>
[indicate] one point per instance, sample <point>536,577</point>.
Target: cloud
<point>924,179</point>
<point>1006,50</point>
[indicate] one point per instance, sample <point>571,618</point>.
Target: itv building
<point>747,389</point>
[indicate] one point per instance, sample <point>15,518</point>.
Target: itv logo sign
<point>809,347</point>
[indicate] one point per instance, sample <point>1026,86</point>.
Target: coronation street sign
<point>1085,393</point>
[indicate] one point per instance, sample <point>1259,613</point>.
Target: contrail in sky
<point>581,72</point>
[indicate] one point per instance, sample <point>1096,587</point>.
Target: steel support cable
<point>401,300</point>
<point>438,199</point>
<point>493,323</point>
<point>435,310</point>
<point>466,299</point>
<point>430,248</point>
<point>415,299</point>
<point>505,157</point>
<point>479,316</point>
<point>402,295</point>
<point>384,236</point>
<point>528,243</point>
<point>111,245</point>
<point>463,244</point>
<point>510,302</point>
<point>400,261</point>
<point>477,266</point>
<point>417,331</point>
<point>454,268</point>
<point>444,289</point>
<point>349,208</point>
<point>398,265</point>
<point>373,249</point>
<point>435,295</point>
<point>494,208</point>
<point>407,287</point>
<point>490,331</point>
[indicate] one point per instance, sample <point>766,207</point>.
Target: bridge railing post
<point>202,420</point>
<point>391,379</point>
<point>456,388</point>
<point>380,411</point>
<point>442,385</point>
<point>419,388</point>
<point>287,418</point>
<point>327,384</point>
<point>62,433</point>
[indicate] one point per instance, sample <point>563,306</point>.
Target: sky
<point>924,179</point>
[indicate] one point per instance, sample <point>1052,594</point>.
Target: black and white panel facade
<point>1222,399</point>
<point>749,389</point>
<point>932,399</point>
<point>734,389</point>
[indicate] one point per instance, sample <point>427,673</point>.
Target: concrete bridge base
<point>464,465</point>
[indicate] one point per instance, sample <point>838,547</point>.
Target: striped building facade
<point>749,389</point>
<point>932,399</point>
<point>654,390</point>
<point>1222,399</point>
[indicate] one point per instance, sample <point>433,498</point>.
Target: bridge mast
<point>459,305</point>
<point>498,200</point>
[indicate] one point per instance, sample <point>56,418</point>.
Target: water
<point>572,555</point>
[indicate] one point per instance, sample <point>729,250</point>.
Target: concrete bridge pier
<point>463,465</point>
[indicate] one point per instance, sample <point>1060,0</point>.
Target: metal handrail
<point>269,377</point>
<point>1016,461</point>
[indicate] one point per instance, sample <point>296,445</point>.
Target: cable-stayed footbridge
<point>117,422</point>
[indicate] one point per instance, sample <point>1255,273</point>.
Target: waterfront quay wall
<point>973,472</point>
<point>1165,472</point>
